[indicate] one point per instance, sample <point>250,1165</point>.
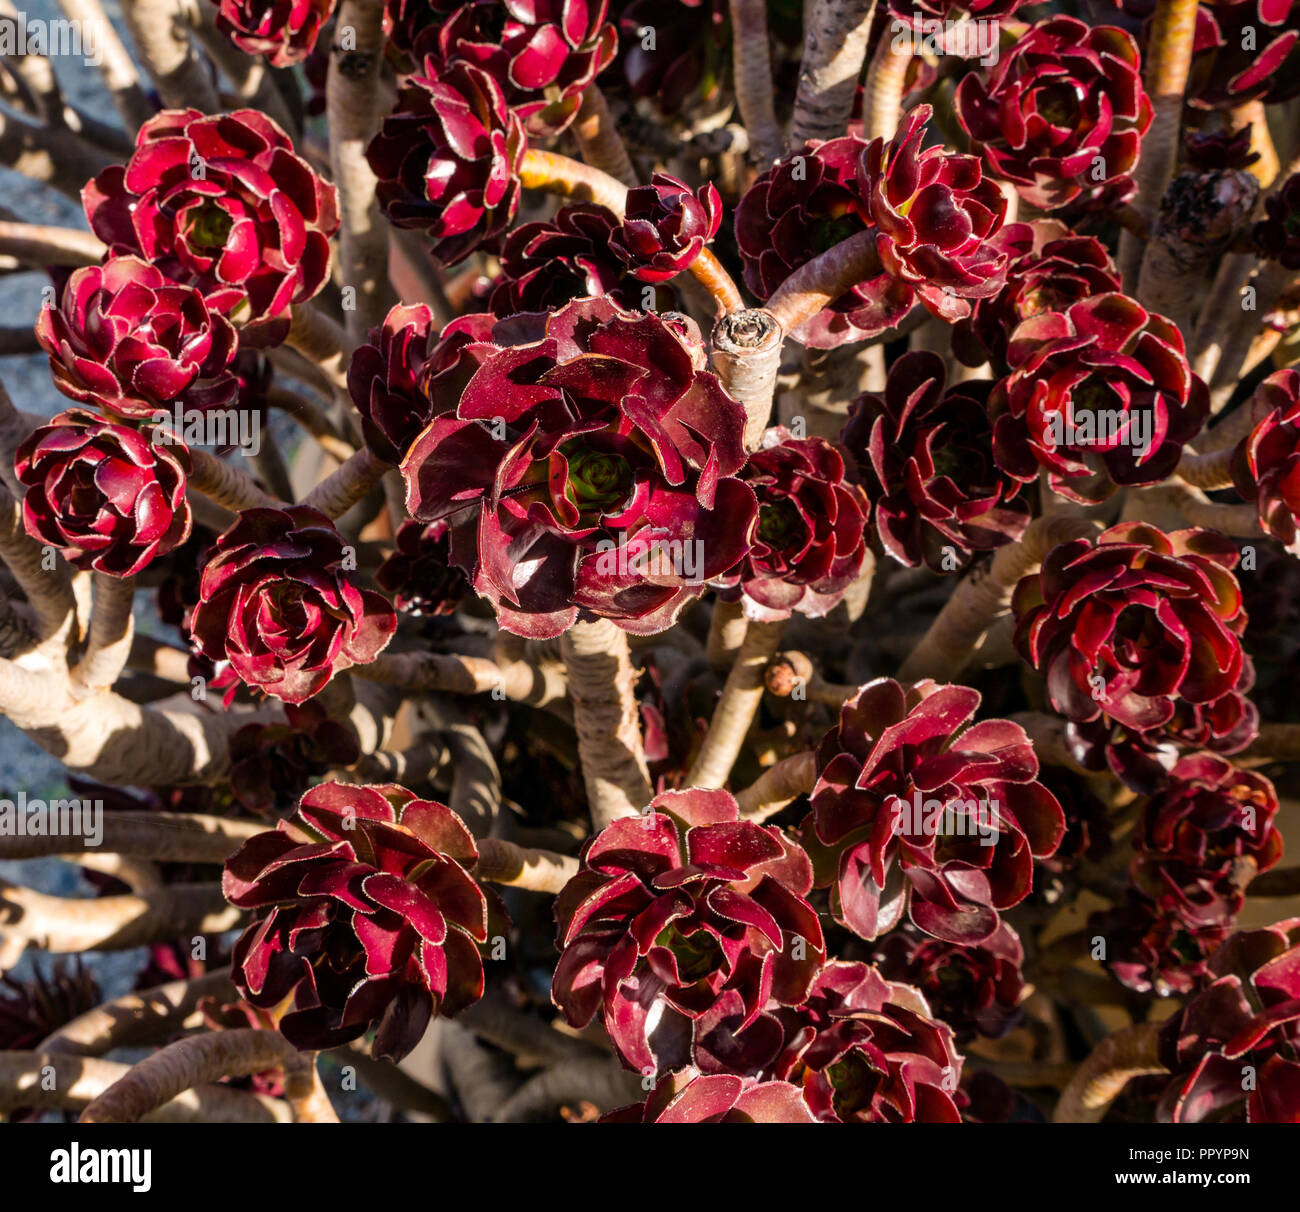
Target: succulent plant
<point>111,498</point>
<point>278,602</point>
<point>221,203</point>
<point>372,921</point>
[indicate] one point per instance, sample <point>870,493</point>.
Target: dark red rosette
<point>588,469</point>
<point>419,574</point>
<point>447,159</point>
<point>976,990</point>
<point>372,923</point>
<point>866,1050</point>
<point>809,545</point>
<point>1049,269</point>
<point>127,339</point>
<point>285,31</point>
<point>221,202</point>
<point>918,811</point>
<point>681,927</point>
<point>1100,395</point>
<point>1139,631</point>
<point>542,53</point>
<point>111,497</point>
<point>924,457</point>
<point>665,225</point>
<point>278,601</point>
<point>1234,1046</point>
<point>1062,114</point>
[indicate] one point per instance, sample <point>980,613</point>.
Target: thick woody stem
<point>476,779</point>
<point>348,484</point>
<point>822,280</point>
<point>414,765</point>
<point>601,678</point>
<point>1168,61</point>
<point>1240,521</point>
<point>834,50</point>
<point>727,627</point>
<point>52,155</point>
<point>112,923</point>
<point>595,1081</point>
<point>884,97</point>
<point>778,786</point>
<point>226,484</point>
<point>167,837</point>
<point>741,694</point>
<point>556,174</point>
<point>747,356</point>
<point>161,36</point>
<point>985,594</point>
<point>518,681</point>
<point>1128,1053</point>
<point>1210,471</point>
<point>503,862</point>
<point>39,245</point>
<point>137,1018</point>
<point>46,582</point>
<point>1230,340</point>
<point>108,644</point>
<point>117,741</point>
<point>200,1059</point>
<point>323,342</point>
<point>599,139</point>
<point>313,420</point>
<point>78,1081</point>
<point>708,271</point>
<point>755,96</point>
<point>351,103</point>
<point>115,64</point>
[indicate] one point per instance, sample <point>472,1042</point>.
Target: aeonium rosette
<point>587,468</point>
<point>664,227</point>
<point>221,202</point>
<point>279,601</point>
<point>1049,269</point>
<point>1266,463</point>
<point>447,159</point>
<point>1100,395</point>
<point>924,457</point>
<point>127,339</point>
<point>976,989</point>
<point>542,53</point>
<point>1234,1048</point>
<point>935,213</point>
<point>285,31</point>
<point>809,545</point>
<point>916,810</point>
<point>1136,633</point>
<point>111,497</point>
<point>681,928</point>
<point>1062,114</point>
<point>1204,837</point>
<point>869,1051</point>
<point>366,915</point>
